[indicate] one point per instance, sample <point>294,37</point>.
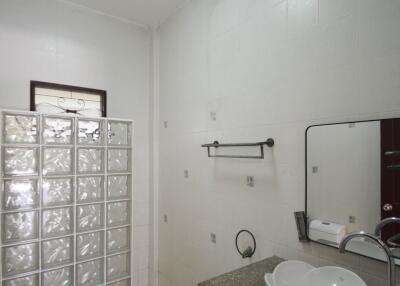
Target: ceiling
<point>144,12</point>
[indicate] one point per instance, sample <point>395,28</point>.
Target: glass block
<point>126,282</point>
<point>57,191</point>
<point>90,245</point>
<point>89,217</point>
<point>20,129</point>
<point>90,273</point>
<point>59,277</point>
<point>20,258</point>
<point>118,187</point>
<point>19,194</point>
<point>19,226</point>
<point>118,239</point>
<point>31,280</point>
<point>57,130</point>
<point>90,189</point>
<point>20,161</point>
<point>119,133</point>
<point>57,252</point>
<point>57,161</point>
<point>57,222</point>
<point>118,266</point>
<point>90,132</point>
<point>90,160</point>
<point>118,213</point>
<point>118,160</point>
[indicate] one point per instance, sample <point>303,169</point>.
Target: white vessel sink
<point>269,279</point>
<point>298,273</point>
<point>288,272</point>
<point>332,276</point>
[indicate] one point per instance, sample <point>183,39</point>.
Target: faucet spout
<point>381,244</point>
<point>385,222</point>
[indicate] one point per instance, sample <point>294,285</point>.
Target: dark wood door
<point>390,174</point>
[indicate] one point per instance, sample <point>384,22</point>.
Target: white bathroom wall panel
<point>266,68</point>
<point>57,42</point>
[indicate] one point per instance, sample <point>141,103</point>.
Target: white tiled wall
<point>54,41</point>
<point>266,68</point>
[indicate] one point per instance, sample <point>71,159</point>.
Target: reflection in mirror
<point>352,179</point>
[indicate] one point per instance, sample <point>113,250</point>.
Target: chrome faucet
<point>391,241</point>
<point>385,222</point>
<point>381,244</point>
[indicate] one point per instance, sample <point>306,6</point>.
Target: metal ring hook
<point>249,252</point>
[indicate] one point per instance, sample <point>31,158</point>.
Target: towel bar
<point>270,143</point>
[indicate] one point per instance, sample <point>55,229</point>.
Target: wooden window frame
<point>64,87</point>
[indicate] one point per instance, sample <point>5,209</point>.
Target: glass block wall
<point>65,200</point>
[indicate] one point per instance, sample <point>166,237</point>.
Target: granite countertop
<point>251,275</point>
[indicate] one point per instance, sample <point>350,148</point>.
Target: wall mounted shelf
<point>269,142</point>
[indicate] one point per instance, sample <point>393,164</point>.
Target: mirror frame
<point>306,181</point>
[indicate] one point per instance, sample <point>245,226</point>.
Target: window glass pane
<point>67,99</point>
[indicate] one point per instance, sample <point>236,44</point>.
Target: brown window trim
<point>42,84</point>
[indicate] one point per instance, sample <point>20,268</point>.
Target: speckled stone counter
<point>251,275</point>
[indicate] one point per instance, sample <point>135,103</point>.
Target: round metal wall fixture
<point>247,250</point>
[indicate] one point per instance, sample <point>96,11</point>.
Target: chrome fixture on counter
<point>393,240</point>
<point>381,244</point>
<point>384,223</point>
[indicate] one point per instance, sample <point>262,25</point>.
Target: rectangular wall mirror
<point>353,182</point>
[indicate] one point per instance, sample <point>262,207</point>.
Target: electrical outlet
<point>165,124</point>
<point>165,218</point>
<point>213,237</point>
<point>315,169</point>
<point>186,174</point>
<point>352,219</point>
<point>250,181</point>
